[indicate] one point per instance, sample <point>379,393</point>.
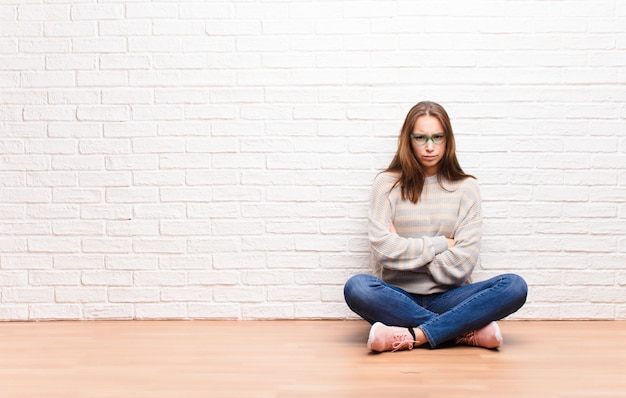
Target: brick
<point>21,29</point>
<point>78,163</point>
<point>268,311</point>
<point>124,27</point>
<point>159,211</point>
<point>24,97</point>
<point>239,161</point>
<point>156,10</point>
<point>213,277</point>
<point>133,295</point>
<point>125,262</point>
<point>293,227</point>
<point>101,79</point>
<point>159,245</point>
<point>293,194</point>
<point>214,160</point>
<point>185,228</point>
<point>69,29</point>
<point>151,78</point>
<point>160,311</point>
<point>106,245</point>
<point>213,210</point>
<point>25,195</point>
<point>216,311</point>
<point>47,179</point>
<point>188,194</point>
<point>80,294</point>
<point>561,294</point>
<point>106,278</point>
<point>264,177</point>
<point>589,278</point>
<point>21,63</point>
<point>210,245</point>
<point>538,312</point>
<point>293,294</point>
<point>186,262</point>
<point>587,311</point>
<point>54,312</point>
<point>170,27</point>
<point>322,311</point>
<point>130,129</point>
<point>42,46</point>
<point>233,294</point>
<point>242,194</point>
<point>239,261</point>
<point>58,212</point>
<point>267,278</point>
<point>111,179</point>
<point>78,227</point>
<point>25,228</point>
<point>14,312</point>
<point>158,178</point>
<point>14,278</point>
<point>79,262</point>
<point>270,243</point>
<point>605,294</point>
<point>108,311</point>
<point>323,277</point>
<point>27,294</point>
<point>186,294</point>
<point>132,162</point>
<point>175,96</point>
<point>132,228</point>
<point>53,245</point>
<point>106,212</point>
<point>216,145</point>
<point>112,113</point>
<point>126,96</point>
<point>97,12</point>
<point>69,195</point>
<point>64,96</point>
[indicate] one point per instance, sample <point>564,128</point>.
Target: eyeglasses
<point>421,139</point>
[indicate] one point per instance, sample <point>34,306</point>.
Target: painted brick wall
<point>210,160</point>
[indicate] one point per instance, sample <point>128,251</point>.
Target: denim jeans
<point>441,316</point>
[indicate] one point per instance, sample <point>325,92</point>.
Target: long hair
<point>412,176</point>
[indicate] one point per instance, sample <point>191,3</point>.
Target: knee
<point>356,287</point>
<point>518,287</point>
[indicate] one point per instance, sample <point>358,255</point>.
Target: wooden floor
<point>302,359</point>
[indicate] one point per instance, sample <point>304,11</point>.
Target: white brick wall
<point>212,159</point>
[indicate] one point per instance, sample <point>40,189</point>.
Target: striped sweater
<point>416,258</point>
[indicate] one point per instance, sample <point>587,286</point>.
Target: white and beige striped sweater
<point>416,258</point>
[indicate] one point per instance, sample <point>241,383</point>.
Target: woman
<point>424,227</point>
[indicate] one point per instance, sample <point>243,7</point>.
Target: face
<point>428,155</point>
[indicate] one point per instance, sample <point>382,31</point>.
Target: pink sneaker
<point>487,337</point>
<point>390,338</point>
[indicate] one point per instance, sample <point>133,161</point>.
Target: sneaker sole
<point>498,334</point>
<point>372,335</point>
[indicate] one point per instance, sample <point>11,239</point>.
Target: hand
<point>392,228</point>
<point>450,243</point>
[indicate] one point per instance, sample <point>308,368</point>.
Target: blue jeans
<point>441,316</point>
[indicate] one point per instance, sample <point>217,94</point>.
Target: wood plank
<point>302,359</point>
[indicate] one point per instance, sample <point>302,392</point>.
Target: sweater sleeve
<point>389,249</point>
<point>454,266</point>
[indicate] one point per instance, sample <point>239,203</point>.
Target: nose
<point>430,146</point>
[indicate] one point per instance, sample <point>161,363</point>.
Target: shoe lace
<point>469,338</point>
<point>402,341</point>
